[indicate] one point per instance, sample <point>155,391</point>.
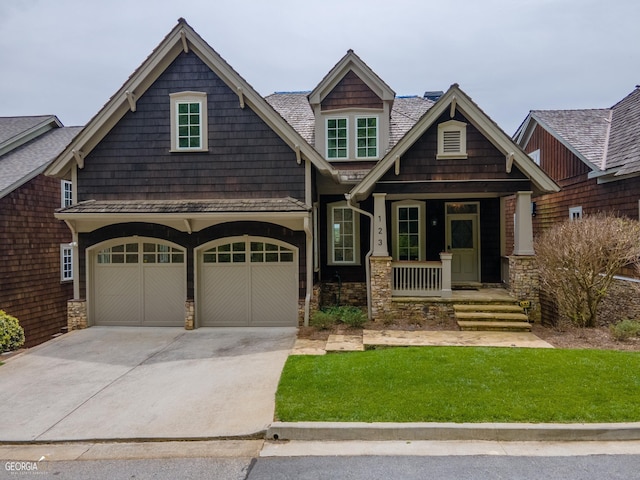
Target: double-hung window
<point>189,122</point>
<point>66,193</point>
<point>66,262</point>
<point>366,137</point>
<point>337,145</point>
<point>343,232</point>
<point>409,231</point>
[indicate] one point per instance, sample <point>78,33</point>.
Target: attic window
<point>337,138</point>
<point>452,140</point>
<point>189,122</point>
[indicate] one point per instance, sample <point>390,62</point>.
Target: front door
<point>462,241</point>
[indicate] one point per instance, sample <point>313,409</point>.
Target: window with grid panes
<point>189,125</point>
<point>367,137</point>
<point>337,138</point>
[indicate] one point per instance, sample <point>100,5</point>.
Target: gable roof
<point>480,120</point>
<point>30,159</point>
<point>14,131</point>
<point>607,140</point>
<point>351,62</point>
<point>181,38</point>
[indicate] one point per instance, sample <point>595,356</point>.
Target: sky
<point>67,57</point>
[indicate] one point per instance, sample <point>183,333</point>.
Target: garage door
<point>139,282</point>
<point>248,281</point>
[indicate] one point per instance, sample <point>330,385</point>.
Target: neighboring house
<point>36,275</point>
<point>594,155</point>
<point>200,203</point>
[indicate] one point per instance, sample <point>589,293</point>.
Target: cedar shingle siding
<point>30,238</point>
<point>351,92</point>
<point>484,161</point>
<point>245,159</point>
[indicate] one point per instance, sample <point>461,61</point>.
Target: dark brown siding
<point>555,159</point>
<point>245,158</point>
<point>425,174</point>
<point>30,238</point>
<point>351,92</point>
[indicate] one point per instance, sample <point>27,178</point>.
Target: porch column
<point>523,231</point>
<point>445,258</point>
<point>380,248</point>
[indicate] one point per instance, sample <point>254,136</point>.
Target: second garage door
<point>248,281</point>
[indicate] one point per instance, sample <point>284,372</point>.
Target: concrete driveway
<point>148,382</point>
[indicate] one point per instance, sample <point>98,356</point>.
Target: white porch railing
<point>422,279</point>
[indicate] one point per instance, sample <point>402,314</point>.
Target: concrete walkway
<point>399,338</point>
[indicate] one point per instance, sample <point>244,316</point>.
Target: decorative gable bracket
<point>132,99</point>
<point>78,155</point>
<point>240,93</point>
<point>183,38</point>
<point>510,157</point>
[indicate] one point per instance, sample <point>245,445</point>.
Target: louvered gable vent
<point>452,140</point>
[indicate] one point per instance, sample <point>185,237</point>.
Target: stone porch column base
<point>524,283</point>
<point>76,314</point>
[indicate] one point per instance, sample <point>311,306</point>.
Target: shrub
<point>11,333</point>
<point>323,319</point>
<point>352,316</point>
<point>578,260</point>
<point>625,329</point>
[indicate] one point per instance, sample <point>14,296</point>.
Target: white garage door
<point>248,281</point>
<point>139,282</point>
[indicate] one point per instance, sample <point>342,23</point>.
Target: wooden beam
<point>509,158</point>
<point>240,93</point>
<point>79,157</point>
<point>452,111</point>
<point>397,171</point>
<point>298,156</point>
<point>131,98</point>
<point>185,45</point>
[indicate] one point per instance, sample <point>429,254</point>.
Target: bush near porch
<point>454,384</point>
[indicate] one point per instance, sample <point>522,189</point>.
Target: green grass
<point>453,384</point>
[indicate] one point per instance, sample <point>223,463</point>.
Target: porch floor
<point>480,295</point>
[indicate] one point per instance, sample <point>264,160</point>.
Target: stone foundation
<point>417,310</point>
<point>347,293</point>
<point>76,314</point>
<point>524,283</point>
<point>189,314</point>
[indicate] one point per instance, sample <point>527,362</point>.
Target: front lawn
<point>462,384</point>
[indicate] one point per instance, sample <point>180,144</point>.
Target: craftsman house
<point>201,203</point>
<point>36,276</point>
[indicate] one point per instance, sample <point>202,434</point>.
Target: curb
<point>508,432</point>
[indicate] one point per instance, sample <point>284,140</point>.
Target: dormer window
<point>367,137</point>
<point>452,140</point>
<point>337,132</point>
<point>189,122</point>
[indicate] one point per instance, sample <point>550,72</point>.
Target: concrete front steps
<point>495,316</point>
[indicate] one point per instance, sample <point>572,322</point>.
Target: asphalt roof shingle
<point>624,142</point>
<point>28,160</point>
<point>11,127</point>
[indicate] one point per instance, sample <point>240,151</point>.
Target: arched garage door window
<point>248,281</point>
<point>138,281</point>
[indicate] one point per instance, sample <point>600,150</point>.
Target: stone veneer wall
<point>189,314</point>
<point>348,293</point>
<point>524,283</point>
<point>76,314</point>
<point>381,306</point>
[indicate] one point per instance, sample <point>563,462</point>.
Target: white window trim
<point>66,251</point>
<point>355,137</point>
<point>452,126</point>
<point>189,97</point>
<point>64,201</point>
<point>326,139</point>
<point>575,213</point>
<point>330,239</point>
<point>422,227</point>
